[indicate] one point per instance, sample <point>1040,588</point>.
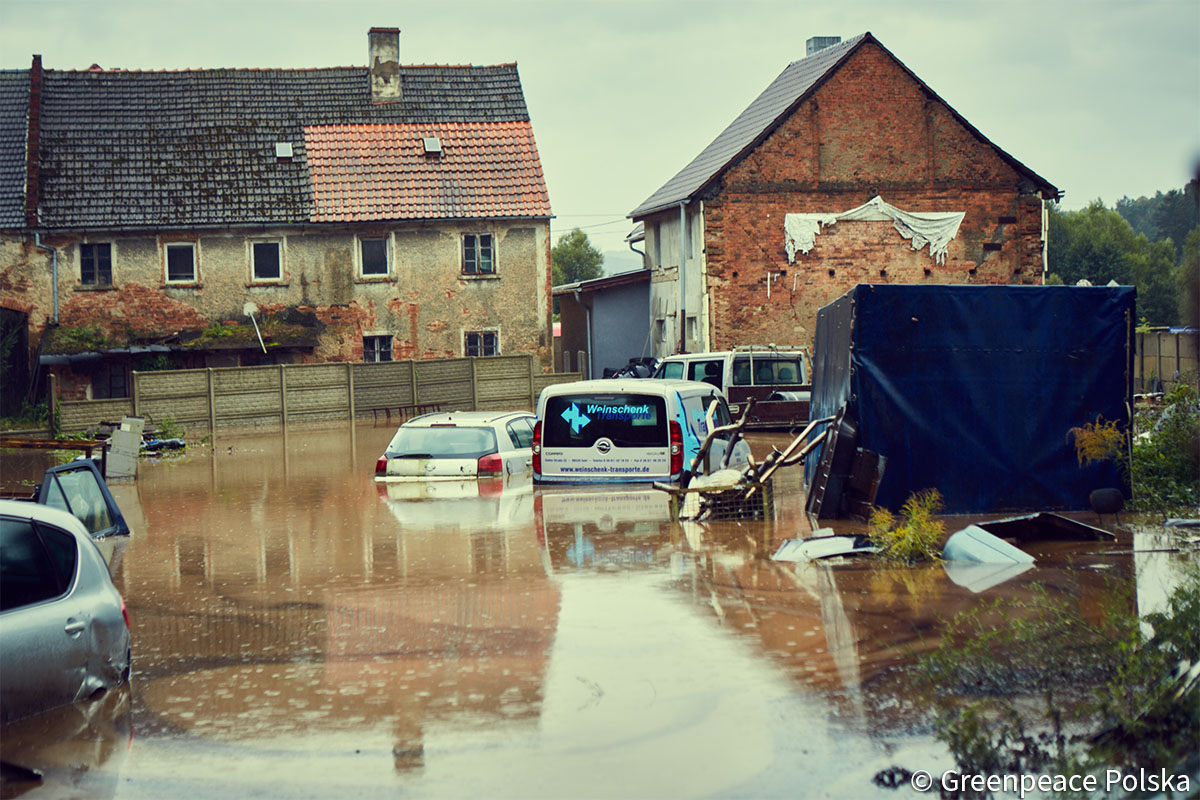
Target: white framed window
<point>373,259</point>
<point>377,348</point>
<point>95,264</point>
<point>478,254</point>
<point>481,343</point>
<point>180,260</point>
<point>266,260</point>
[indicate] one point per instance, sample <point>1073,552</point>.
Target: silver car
<point>460,445</point>
<point>64,630</point>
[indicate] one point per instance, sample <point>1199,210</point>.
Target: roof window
<point>433,146</point>
<point>283,151</point>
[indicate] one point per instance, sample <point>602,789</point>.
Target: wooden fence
<point>286,394</point>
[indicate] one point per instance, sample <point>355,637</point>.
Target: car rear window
<point>671,369</point>
<point>767,371</point>
<point>442,441</point>
<point>629,420</point>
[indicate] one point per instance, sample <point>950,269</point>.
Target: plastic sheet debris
<point>823,547</point>
<point>973,543</point>
<point>154,445</point>
<point>1045,527</point>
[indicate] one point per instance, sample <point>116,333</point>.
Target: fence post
<point>282,397</point>
<point>474,384</point>
<point>350,386</point>
<point>412,374</point>
<point>52,398</point>
<point>212,403</point>
<point>136,400</point>
<point>532,395</point>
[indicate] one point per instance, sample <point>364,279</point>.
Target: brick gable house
<point>356,213</point>
<point>847,169</point>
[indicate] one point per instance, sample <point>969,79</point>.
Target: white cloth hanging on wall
<point>934,229</point>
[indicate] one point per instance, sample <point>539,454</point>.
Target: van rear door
<point>598,437</point>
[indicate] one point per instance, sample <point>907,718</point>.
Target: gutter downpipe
<point>53,251</point>
<point>682,277</point>
<point>587,310</point>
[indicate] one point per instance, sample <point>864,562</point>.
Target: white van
<point>622,430</point>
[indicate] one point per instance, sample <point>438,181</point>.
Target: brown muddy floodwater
<point>300,630</point>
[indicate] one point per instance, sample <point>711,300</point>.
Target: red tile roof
<point>381,172</point>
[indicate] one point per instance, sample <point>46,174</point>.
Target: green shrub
<point>1165,463</point>
<point>916,536</point>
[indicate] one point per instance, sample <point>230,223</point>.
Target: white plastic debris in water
<point>932,228</point>
<point>973,543</point>
<point>980,577</point>
<point>822,547</point>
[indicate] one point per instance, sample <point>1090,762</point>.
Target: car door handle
<point>74,627</point>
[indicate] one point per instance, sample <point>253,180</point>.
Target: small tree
<point>574,259</point>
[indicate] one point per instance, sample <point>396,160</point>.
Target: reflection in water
<point>315,632</point>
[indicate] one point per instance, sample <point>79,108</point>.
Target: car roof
<point>464,418</point>
<point>765,352</point>
<point>627,386</point>
<point>27,509</point>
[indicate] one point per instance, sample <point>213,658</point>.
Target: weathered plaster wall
<point>424,302</point>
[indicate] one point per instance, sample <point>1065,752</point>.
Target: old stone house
<point>364,213</point>
<point>847,169</point>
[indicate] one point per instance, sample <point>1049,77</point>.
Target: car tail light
<point>381,466</point>
<point>490,465</point>
<point>676,448</point>
<point>125,614</point>
<point>537,447</point>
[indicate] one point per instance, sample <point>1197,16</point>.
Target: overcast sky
<point>1100,98</point>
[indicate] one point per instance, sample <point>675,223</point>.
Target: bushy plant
<point>169,428</point>
<point>1165,462</point>
<point>913,537</point>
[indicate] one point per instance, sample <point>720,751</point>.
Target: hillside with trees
<point>1151,243</point>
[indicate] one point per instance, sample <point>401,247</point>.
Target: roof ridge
<point>184,70</point>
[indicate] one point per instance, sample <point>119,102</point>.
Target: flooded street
<point>300,630</point>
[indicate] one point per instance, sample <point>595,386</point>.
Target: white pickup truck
<point>776,377</point>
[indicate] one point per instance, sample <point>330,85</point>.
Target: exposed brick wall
<point>131,307</point>
<point>871,129</point>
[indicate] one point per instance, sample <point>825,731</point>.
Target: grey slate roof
<point>14,109</point>
<point>197,148</point>
<point>764,114</point>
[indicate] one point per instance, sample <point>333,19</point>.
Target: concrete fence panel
<point>269,396</point>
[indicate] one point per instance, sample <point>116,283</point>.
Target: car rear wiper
<point>413,455</point>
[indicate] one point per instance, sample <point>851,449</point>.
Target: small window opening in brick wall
<point>832,273</point>
<point>992,246</point>
<point>1008,220</point>
<point>972,271</point>
<point>928,272</point>
<point>883,273</point>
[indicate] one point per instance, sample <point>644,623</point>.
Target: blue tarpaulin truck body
<point>972,390</point>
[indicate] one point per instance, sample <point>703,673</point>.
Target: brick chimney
<point>383,64</point>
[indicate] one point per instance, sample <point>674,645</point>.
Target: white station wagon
<point>459,445</point>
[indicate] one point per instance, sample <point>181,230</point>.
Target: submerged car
<point>624,430</point>
<point>460,445</point>
<point>64,629</point>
